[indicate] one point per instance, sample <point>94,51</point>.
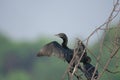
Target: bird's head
<point>64,38</point>
<point>62,35</point>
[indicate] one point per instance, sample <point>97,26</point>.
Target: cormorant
<point>61,51</point>
<point>89,69</point>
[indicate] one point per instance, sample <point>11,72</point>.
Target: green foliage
<point>18,60</point>
<point>18,75</point>
<point>108,46</point>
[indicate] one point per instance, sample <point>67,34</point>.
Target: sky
<point>30,19</point>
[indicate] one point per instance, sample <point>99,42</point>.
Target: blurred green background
<point>27,25</point>
<point>18,60</point>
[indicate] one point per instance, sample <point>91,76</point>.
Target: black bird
<point>61,51</point>
<point>89,69</point>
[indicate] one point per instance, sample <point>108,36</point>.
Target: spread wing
<point>54,49</point>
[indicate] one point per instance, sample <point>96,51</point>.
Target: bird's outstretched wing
<point>53,49</point>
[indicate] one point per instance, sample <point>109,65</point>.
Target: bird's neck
<point>64,44</point>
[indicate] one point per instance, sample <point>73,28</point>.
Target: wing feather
<point>53,49</point>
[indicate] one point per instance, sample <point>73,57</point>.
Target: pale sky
<point>29,19</point>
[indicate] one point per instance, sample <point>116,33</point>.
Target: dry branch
<point>113,51</point>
